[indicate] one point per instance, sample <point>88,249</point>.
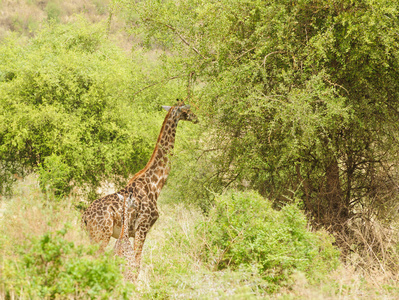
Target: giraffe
<point>102,219</point>
<point>123,248</point>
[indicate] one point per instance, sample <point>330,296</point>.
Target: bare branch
<point>271,53</point>
<point>244,53</point>
<point>335,84</point>
<point>151,85</point>
<point>182,38</point>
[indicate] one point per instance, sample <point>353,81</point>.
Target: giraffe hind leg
<point>100,237</point>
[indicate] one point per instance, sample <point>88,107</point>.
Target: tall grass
<point>173,265</point>
<point>45,254</point>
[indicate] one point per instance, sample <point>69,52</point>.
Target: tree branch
<point>336,84</point>
<point>182,38</point>
<point>151,85</point>
<point>244,53</point>
<point>271,53</point>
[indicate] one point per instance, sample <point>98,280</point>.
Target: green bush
<point>297,96</point>
<point>54,174</point>
<point>51,267</point>
<point>66,108</point>
<point>244,231</point>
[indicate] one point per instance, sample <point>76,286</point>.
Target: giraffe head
<point>182,112</point>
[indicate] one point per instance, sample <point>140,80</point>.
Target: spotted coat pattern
<point>103,218</point>
<point>123,248</point>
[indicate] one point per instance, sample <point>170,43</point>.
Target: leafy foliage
<point>243,230</point>
<point>51,267</point>
<point>67,109</point>
<point>300,97</point>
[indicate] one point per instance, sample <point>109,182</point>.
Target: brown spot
<point>162,181</point>
<point>154,178</point>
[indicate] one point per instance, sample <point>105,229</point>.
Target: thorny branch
<point>158,82</point>
<point>182,38</point>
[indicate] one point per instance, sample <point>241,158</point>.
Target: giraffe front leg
<point>102,240</point>
<point>104,243</point>
<point>100,236</point>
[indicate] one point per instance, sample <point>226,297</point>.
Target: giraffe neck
<point>125,222</point>
<point>157,168</point>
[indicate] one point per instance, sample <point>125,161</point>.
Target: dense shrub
<point>244,230</point>
<point>70,110</point>
<point>297,96</point>
<point>51,267</point>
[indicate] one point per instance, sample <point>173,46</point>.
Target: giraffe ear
<point>166,107</point>
<point>120,197</point>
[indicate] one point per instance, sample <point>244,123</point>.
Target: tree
<point>70,111</point>
<point>301,97</point>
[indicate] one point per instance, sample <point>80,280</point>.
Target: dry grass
<point>172,266</point>
<point>376,249</point>
<point>31,213</point>
<point>344,283</point>
<point>27,16</point>
<point>19,16</point>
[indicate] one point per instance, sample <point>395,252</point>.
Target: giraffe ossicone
<point>103,218</point>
